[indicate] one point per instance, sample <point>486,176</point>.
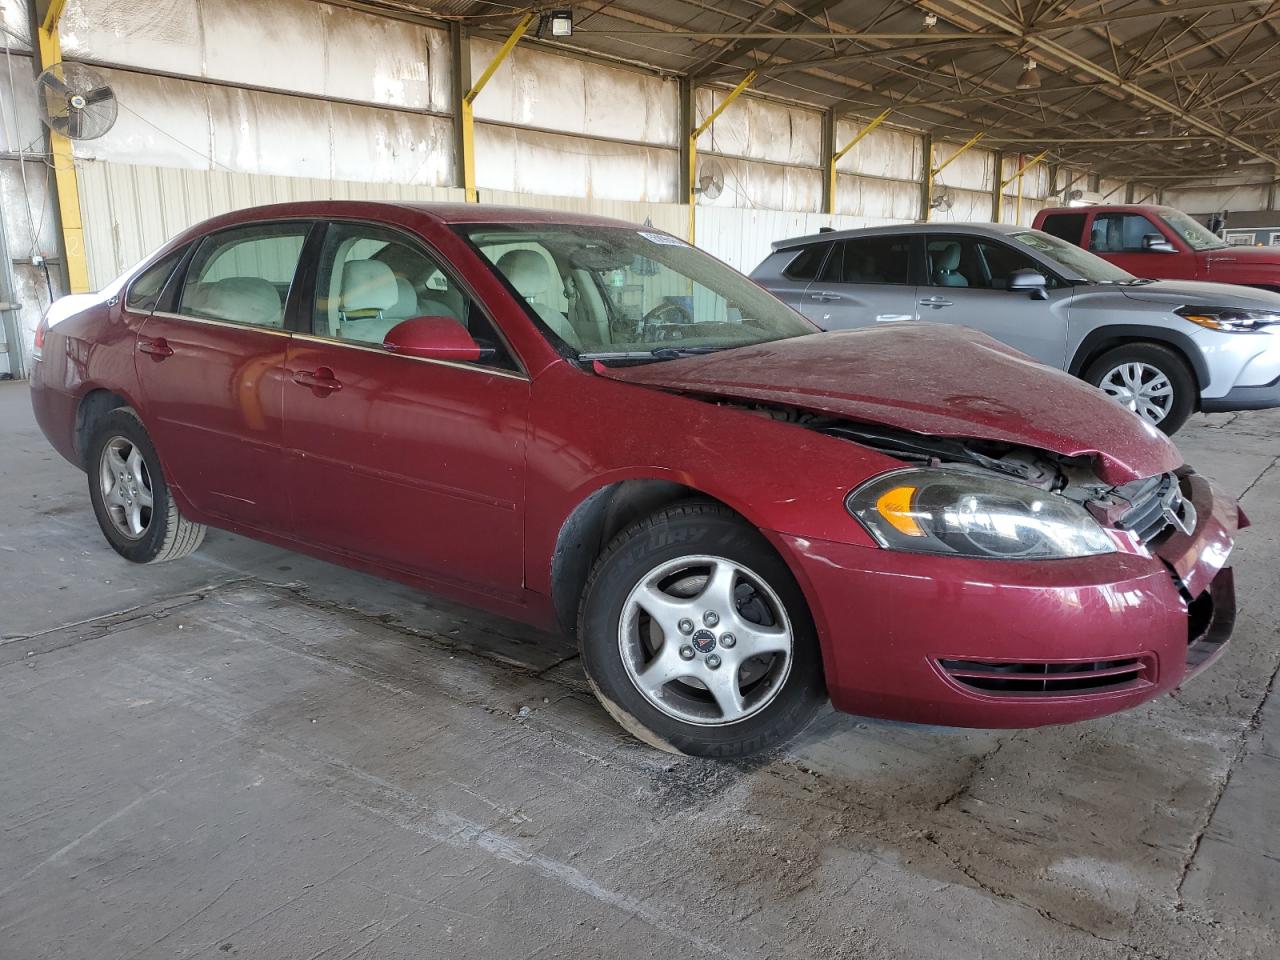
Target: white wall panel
<point>764,186</point>
<point>1216,199</point>
<point>971,170</point>
<point>760,129</point>
<point>966,206</point>
<point>540,89</point>
<point>883,152</point>
<point>131,210</point>
<point>296,46</point>
<point>877,201</point>
<point>13,13</point>
<point>525,161</point>
<point>21,128</point>
<point>184,123</point>
<point>742,238</point>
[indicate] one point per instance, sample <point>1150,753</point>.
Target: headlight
<point>970,514</point>
<point>1228,319</point>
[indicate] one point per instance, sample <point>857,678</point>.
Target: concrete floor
<point>252,753</point>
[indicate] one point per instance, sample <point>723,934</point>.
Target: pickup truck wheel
<point>131,499</point>
<point>1148,378</point>
<point>696,638</point>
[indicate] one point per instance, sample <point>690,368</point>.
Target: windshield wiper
<point>658,353</point>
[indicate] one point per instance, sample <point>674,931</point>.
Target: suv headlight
<point>1228,319</point>
<point>969,514</point>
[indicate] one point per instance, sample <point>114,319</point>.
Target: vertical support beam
<point>1023,167</point>
<point>827,151</point>
<point>686,113</point>
<point>698,131</point>
<point>926,179</point>
<point>466,106</point>
<point>1017,215</point>
<point>997,187</point>
<point>76,265</point>
<point>1271,192</point>
<point>832,175</point>
<point>460,75</point>
<point>1128,193</point>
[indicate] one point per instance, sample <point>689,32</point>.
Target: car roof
<point>1111,208</point>
<point>903,229</point>
<point>446,212</point>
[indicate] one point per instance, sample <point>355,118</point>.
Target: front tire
<point>696,638</point>
<point>1150,379</point>
<point>131,499</point>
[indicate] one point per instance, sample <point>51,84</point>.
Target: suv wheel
<point>1150,379</point>
<point>696,638</point>
<point>131,499</point>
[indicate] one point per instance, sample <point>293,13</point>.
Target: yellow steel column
<point>835,157</point>
<point>693,145</point>
<point>64,169</point>
<point>468,111</point>
<point>1017,175</point>
<point>934,171</point>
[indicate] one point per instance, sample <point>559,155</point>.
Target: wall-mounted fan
<point>75,101</point>
<point>941,199</point>
<point>710,180</point>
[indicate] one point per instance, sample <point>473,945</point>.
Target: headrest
<point>367,285</point>
<point>947,256</point>
<point>527,272</point>
<point>246,299</point>
<point>406,304</point>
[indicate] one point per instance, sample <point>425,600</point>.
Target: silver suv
<point>1164,348</point>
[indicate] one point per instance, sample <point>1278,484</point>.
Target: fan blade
<point>54,82</point>
<point>98,94</point>
<point>75,119</point>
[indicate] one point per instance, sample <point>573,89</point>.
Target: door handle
<point>824,297</point>
<point>935,302</point>
<point>157,349</point>
<point>321,380</point>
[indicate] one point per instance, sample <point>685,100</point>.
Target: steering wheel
<point>666,314</point>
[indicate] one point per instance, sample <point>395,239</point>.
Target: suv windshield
<point>1076,263</point>
<point>1198,236</point>
<point>618,292</point>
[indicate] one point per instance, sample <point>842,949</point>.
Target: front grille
<point>1153,505</point>
<point>1021,678</point>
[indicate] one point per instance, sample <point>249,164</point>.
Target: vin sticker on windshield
<point>662,238</point>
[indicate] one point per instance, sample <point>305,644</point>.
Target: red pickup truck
<point>1161,243</point>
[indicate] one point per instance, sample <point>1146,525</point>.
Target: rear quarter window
<point>807,262</point>
<point>145,290</point>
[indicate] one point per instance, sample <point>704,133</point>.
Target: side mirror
<point>1029,281</point>
<point>432,338</point>
<point>1155,243</point>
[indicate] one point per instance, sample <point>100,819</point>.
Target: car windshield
<point>624,293</point>
<point>1076,263</point>
<point>1197,235</point>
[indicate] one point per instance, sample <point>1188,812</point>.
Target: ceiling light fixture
<point>562,23</point>
<point>1030,78</point>
<point>930,21</point>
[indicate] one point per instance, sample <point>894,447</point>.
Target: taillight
<point>37,346</point>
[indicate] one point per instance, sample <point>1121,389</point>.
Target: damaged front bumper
<point>986,643</point>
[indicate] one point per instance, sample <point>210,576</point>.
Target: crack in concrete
<point>979,762</point>
<point>1268,467</point>
<point>1242,745</point>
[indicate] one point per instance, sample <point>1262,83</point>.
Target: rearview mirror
<point>432,338</point>
<point>1155,243</point>
<point>1029,281</point>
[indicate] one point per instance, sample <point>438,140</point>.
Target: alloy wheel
<point>1142,388</point>
<point>705,640</point>
<point>125,483</point>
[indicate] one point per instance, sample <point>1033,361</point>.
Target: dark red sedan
<point>593,426</point>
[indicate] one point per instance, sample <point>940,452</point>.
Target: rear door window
<point>243,275</point>
<point>1065,226</point>
<point>884,260</point>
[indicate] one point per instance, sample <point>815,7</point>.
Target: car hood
<point>935,380</point>
<point>1180,292</point>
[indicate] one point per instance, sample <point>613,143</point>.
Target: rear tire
<point>130,496</point>
<point>1135,374</point>
<point>710,580</point>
